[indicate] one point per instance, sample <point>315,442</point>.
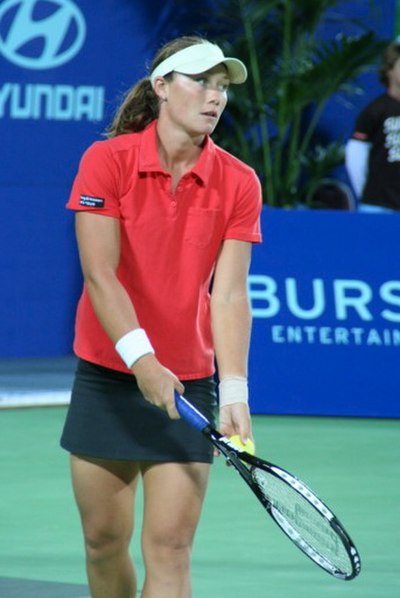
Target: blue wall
<point>63,64</point>
<point>54,101</point>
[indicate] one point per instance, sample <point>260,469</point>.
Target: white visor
<point>198,59</point>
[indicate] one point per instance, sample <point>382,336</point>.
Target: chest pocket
<point>201,226</point>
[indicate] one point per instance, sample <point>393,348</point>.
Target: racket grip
<point>190,414</point>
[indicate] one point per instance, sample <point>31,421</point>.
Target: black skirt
<point>109,418</point>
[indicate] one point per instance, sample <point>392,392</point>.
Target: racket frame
<point>240,458</point>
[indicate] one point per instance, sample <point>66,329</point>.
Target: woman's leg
<point>173,498</point>
<point>105,492</point>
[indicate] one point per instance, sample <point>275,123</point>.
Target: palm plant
<point>272,124</point>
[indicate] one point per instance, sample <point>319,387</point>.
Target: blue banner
<point>64,66</point>
<point>325,292</point>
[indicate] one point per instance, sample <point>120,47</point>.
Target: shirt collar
<point>149,160</point>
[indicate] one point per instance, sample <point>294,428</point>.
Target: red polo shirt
<point>169,243</point>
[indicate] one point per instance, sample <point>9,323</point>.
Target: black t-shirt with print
<point>379,124</point>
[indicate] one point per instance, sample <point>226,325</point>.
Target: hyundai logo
<point>38,34</point>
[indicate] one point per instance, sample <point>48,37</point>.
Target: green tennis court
<point>354,464</point>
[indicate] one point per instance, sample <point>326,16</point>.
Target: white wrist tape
<point>133,345</point>
<point>233,389</point>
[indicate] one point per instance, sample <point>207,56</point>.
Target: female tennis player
<point>165,221</point>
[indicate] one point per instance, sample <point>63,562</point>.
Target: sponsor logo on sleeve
<point>91,202</point>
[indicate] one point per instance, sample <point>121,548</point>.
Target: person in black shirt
<point>373,152</point>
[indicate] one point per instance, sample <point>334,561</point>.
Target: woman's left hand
<point>235,419</point>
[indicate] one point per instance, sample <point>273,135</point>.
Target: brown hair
<point>140,105</point>
<point>389,57</point>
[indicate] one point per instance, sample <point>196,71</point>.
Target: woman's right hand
<point>157,384</point>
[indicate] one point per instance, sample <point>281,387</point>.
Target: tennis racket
<point>294,507</point>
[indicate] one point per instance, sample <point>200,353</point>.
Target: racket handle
<point>190,414</point>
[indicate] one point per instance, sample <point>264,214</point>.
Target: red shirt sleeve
<point>244,222</point>
<point>95,188</point>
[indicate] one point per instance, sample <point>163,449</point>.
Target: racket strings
<point>303,522</point>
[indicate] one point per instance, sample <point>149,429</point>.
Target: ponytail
<point>138,109</point>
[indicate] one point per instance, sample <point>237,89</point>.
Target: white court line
<point>39,398</point>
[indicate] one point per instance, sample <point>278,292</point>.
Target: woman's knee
<point>169,525</point>
<point>102,546</point>
<point>104,493</point>
<point>102,543</point>
<point>171,549</point>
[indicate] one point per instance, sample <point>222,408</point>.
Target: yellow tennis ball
<point>248,447</point>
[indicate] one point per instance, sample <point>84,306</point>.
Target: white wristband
<point>133,345</point>
<point>233,389</point>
